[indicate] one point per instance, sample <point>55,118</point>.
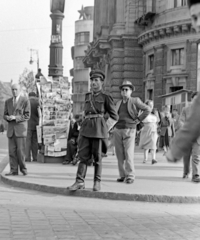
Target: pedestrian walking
<point>31,139</point>
<point>166,129</point>
<point>125,131</point>
<point>93,133</point>
<point>1,127</point>
<point>175,117</point>
<point>149,135</point>
<point>190,132</point>
<point>17,114</point>
<point>194,152</point>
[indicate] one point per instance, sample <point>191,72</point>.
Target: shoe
<point>11,174</point>
<point>121,179</point>
<point>185,175</point>
<point>196,178</point>
<point>66,162</point>
<point>76,186</point>
<point>144,161</point>
<point>97,186</point>
<point>129,180</point>
<point>154,161</point>
<point>24,172</point>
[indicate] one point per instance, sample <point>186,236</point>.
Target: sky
<point>25,25</point>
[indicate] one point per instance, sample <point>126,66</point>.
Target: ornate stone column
<point>133,64</point>
<point>192,56</point>
<point>116,66</point>
<point>119,26</point>
<point>56,47</point>
<point>159,58</point>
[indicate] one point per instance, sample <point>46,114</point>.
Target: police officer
<point>94,132</point>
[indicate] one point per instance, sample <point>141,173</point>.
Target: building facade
<point>148,42</point>
<point>80,73</point>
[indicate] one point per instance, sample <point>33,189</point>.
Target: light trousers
<point>124,140</point>
<point>195,158</point>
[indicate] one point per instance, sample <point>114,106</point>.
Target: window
<point>177,57</point>
<point>151,61</point>
<point>174,89</point>
<point>78,63</point>
<point>150,94</point>
<point>82,38</point>
<point>179,3</point>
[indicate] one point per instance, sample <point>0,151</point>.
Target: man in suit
<point>72,143</point>
<point>125,130</point>
<point>31,140</point>
<point>17,113</point>
<point>93,133</point>
<point>195,149</point>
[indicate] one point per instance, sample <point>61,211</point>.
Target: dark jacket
<point>22,113</point>
<point>96,127</point>
<point>167,125</point>
<point>34,117</point>
<point>73,132</point>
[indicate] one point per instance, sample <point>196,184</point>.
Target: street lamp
<point>34,51</point>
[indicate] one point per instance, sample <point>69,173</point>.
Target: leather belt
<point>93,116</point>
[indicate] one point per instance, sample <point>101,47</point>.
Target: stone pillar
<point>192,56</point>
<point>116,67</point>
<point>159,70</point>
<point>119,26</point>
<point>56,47</point>
<point>133,64</point>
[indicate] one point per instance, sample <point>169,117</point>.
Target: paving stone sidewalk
<point>161,182</point>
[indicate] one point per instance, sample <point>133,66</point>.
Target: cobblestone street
<point>34,215</point>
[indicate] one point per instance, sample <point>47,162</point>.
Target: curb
<point>4,163</point>
<point>101,195</point>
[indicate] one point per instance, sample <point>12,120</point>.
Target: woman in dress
<point>167,129</point>
<point>148,135</point>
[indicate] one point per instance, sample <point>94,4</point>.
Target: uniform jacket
<point>188,134</point>
<point>34,117</point>
<point>96,127</point>
<point>167,124</point>
<point>22,113</point>
<point>134,106</point>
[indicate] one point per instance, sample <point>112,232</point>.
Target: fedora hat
<point>127,83</point>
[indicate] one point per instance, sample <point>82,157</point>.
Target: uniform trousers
<point>124,146</point>
<point>88,147</point>
<point>16,148</point>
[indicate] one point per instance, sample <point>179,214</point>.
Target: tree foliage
<point>27,80</point>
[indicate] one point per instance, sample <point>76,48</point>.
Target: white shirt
<point>15,100</point>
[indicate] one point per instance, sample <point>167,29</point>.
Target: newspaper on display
<point>56,109</point>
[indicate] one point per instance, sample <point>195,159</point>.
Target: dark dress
<point>1,128</point>
<point>166,131</point>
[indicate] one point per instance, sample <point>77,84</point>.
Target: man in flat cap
<point>125,131</point>
<point>94,132</point>
<point>190,132</point>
